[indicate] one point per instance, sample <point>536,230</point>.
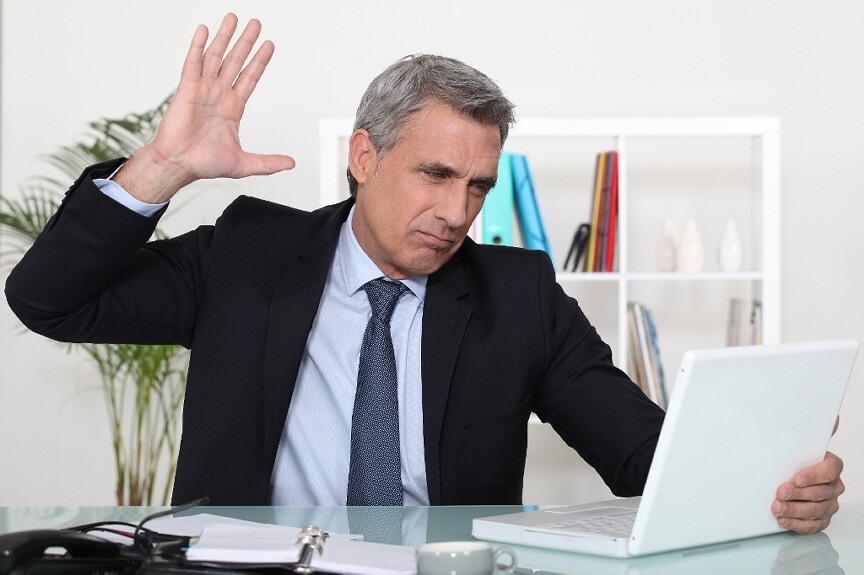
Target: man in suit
<point>273,303</point>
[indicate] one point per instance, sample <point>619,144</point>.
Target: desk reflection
<point>779,554</point>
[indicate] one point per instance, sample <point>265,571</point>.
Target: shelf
<point>674,168</point>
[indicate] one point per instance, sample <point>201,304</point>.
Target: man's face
<point>415,205</point>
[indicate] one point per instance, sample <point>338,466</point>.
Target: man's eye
<point>432,175</point>
<point>480,190</point>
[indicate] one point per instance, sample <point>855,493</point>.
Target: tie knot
<point>383,295</point>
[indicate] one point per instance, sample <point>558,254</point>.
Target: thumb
<point>265,164</point>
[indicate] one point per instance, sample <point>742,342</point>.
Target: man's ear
<point>361,156</point>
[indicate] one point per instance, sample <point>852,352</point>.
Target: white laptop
<point>741,421</point>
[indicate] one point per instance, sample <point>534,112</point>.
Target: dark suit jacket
<point>500,339</point>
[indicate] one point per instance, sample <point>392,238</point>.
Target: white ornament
<point>729,252</point>
<point>691,255</point>
<point>666,252</point>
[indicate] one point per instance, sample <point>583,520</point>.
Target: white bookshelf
<point>710,169</point>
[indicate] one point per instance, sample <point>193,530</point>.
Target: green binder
<point>497,214</point>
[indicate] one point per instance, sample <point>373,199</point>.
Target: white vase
<point>666,251</point>
<point>729,252</point>
<point>691,255</point>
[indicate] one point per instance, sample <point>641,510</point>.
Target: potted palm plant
<point>143,385</point>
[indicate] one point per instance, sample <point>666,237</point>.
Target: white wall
<point>66,63</point>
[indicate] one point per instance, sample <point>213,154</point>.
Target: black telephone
<point>24,552</point>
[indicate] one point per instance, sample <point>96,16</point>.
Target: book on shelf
<point>612,222</point>
<point>645,359</point>
<point>637,360</point>
<point>733,323</point>
<point>654,344</point>
<point>596,203</point>
<point>744,329</point>
<point>756,322</point>
<point>604,215</point>
<point>527,209</point>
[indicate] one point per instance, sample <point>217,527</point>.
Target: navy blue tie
<point>375,475</point>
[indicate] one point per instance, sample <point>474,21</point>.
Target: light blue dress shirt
<point>312,461</point>
<point>314,452</point>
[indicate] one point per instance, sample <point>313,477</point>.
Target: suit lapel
<point>444,319</point>
<point>293,307</point>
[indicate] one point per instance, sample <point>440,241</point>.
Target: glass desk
<point>840,549</point>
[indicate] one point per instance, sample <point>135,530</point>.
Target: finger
<point>804,526</point>
<point>265,164</point>
<point>240,51</point>
<point>825,471</point>
<point>195,56</point>
<point>216,51</point>
<point>248,78</point>
<point>819,492</point>
<point>807,510</point>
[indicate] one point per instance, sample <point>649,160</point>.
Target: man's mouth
<point>438,241</point>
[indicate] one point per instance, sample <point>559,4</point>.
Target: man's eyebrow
<point>437,167</point>
<point>449,172</point>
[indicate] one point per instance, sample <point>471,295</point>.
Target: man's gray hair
<point>408,85</point>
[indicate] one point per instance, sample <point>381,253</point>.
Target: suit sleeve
<point>593,405</point>
<point>91,276</point>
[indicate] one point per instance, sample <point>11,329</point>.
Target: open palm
<point>198,137</point>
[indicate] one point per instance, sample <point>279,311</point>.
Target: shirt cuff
<point>113,190</point>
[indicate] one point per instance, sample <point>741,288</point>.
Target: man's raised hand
<point>198,137</point>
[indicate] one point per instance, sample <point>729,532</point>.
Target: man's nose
<point>452,206</point>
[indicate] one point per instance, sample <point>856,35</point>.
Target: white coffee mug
<point>464,558</point>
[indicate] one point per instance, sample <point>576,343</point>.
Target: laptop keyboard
<point>619,525</point>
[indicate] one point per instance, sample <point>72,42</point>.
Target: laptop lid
<point>741,421</point>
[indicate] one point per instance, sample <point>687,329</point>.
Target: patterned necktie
<point>375,475</point>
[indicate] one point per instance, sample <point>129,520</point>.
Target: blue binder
<point>527,209</point>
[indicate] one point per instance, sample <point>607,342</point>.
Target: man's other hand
<point>807,503</point>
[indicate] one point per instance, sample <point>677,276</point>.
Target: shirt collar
<point>356,268</point>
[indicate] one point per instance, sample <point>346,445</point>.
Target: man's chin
<point>427,267</point>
